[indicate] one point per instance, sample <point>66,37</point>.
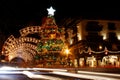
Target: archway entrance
<point>19,62</point>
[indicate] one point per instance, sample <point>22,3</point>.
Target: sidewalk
<point>101,69</point>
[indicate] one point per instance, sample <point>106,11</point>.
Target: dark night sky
<point>16,14</point>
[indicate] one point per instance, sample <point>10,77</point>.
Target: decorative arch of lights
<point>30,30</point>
<point>23,47</point>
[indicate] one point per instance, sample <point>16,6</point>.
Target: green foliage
<point>37,57</point>
<point>50,45</point>
<point>60,30</point>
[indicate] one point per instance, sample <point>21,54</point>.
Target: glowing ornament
<point>106,50</point>
<point>50,11</point>
<point>52,36</point>
<point>89,50</point>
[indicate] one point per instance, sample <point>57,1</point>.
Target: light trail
<point>34,76</point>
<point>49,69</point>
<point>63,72</point>
<point>96,73</point>
<point>34,69</point>
<point>13,70</point>
<point>84,76</point>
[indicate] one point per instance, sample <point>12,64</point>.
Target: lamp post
<point>67,51</point>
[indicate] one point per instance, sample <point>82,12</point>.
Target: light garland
<point>98,52</point>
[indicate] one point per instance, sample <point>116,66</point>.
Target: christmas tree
<point>51,40</point>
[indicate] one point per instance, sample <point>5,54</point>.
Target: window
<point>111,26</point>
<point>93,26</point>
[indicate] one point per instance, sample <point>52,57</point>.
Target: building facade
<point>95,42</point>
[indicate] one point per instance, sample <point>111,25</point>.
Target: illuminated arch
<point>28,39</point>
<point>24,54</point>
<point>11,43</point>
<point>8,44</point>
<point>30,30</point>
<point>12,47</point>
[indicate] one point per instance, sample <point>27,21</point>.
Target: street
<point>9,73</point>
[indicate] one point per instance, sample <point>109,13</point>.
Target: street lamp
<point>100,47</point>
<point>67,51</point>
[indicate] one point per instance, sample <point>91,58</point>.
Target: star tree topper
<point>51,11</point>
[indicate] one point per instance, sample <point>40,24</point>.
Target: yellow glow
<point>79,32</point>
<point>71,41</point>
<point>11,57</point>
<point>104,36</point>
<point>79,36</point>
<point>118,37</point>
<point>67,51</point>
<point>52,36</point>
<point>100,47</point>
